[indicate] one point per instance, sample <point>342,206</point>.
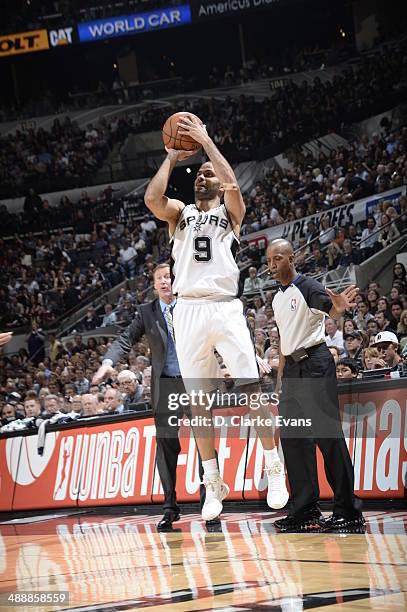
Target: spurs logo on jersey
<point>203,253</point>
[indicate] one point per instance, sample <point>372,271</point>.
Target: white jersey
<point>203,253</point>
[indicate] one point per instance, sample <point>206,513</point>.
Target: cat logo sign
<point>14,44</point>
<point>60,37</point>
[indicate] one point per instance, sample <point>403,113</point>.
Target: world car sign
<point>128,25</point>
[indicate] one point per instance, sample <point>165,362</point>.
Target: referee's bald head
<point>282,245</point>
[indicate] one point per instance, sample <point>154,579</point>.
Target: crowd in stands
<point>48,276</point>
<point>312,186</point>
<point>42,159</point>
<point>244,128</point>
<point>49,273</point>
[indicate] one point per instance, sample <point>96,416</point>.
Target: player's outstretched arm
<point>165,209</point>
<point>223,170</point>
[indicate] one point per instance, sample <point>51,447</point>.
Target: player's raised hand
<point>190,126</point>
<point>179,155</point>
<point>345,300</point>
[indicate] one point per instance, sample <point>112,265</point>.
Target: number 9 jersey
<point>203,255</point>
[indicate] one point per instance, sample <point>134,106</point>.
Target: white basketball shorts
<point>202,326</point>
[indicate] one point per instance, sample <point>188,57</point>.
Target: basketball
<point>173,140</point>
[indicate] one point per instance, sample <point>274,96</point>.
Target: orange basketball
<point>173,140</point>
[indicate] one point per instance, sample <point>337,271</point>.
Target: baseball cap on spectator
<point>14,398</point>
<point>385,336</point>
<point>354,334</point>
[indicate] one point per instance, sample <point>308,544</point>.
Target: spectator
<point>146,378</point>
<point>128,258</point>
<point>349,257</point>
<point>382,321</point>
<point>36,345</point>
<point>396,308</point>
<point>388,231</point>
<point>370,238</point>
<point>130,384</point>
<point>363,316</point>
<point>91,320</point>
<point>32,405</point>
<point>109,317</point>
<point>51,405</point>
<point>372,359</point>
<point>372,329</point>
<point>8,414</point>
<point>142,363</point>
<point>402,326</point>
<point>70,295</point>
<point>334,335</point>
<point>148,225</point>
<point>353,347</point>
<point>81,382</point>
<point>346,369</point>
<point>253,283</point>
<point>334,350</point>
<point>388,346</point>
<point>76,404</point>
<point>32,204</point>
<point>349,326</point>
<point>113,401</point>
<point>78,346</point>
<point>327,233</point>
<point>400,273</point>
<point>90,405</point>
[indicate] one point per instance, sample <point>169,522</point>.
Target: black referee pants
<point>309,391</point>
<point>168,444</point>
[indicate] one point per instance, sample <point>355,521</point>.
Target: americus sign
<point>207,9</point>
<point>128,25</point>
<point>340,216</point>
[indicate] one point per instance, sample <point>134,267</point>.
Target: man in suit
<point>155,321</point>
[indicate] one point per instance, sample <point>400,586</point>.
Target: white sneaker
<point>216,491</point>
<point>277,494</point>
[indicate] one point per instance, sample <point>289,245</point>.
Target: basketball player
<point>208,315</point>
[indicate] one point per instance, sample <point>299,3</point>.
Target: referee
<point>309,399</point>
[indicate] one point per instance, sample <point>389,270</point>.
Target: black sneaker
<point>343,524</point>
<point>306,523</point>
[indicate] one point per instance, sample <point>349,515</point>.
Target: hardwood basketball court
<point>120,562</point>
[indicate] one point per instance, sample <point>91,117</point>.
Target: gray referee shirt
<point>300,310</point>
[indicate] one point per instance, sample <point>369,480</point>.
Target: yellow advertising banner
<point>24,42</point>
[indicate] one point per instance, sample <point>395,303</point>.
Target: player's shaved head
<point>280,260</point>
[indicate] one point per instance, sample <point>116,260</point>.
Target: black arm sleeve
<point>315,294</point>
<point>123,344</point>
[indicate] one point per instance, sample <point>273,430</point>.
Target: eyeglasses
<point>383,346</point>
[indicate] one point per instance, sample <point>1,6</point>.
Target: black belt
<point>166,376</point>
<point>303,353</point>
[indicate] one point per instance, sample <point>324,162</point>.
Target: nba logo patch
<point>294,304</point>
